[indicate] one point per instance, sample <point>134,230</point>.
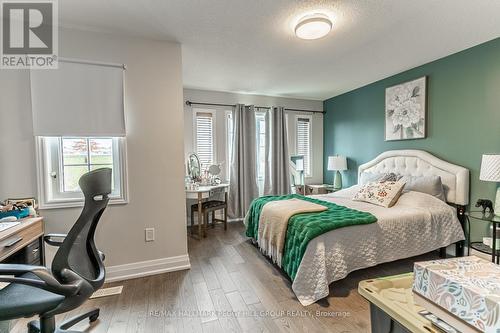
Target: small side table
<point>322,189</point>
<point>479,246</point>
<point>331,189</point>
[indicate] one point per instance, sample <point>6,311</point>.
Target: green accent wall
<point>463,117</point>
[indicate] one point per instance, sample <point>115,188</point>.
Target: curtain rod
<point>189,103</point>
<point>88,62</point>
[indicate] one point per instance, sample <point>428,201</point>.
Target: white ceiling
<point>248,46</point>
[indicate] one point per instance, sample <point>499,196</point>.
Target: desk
<point>24,242</point>
<point>204,192</point>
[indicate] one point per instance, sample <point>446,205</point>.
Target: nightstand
<point>330,189</point>
<point>322,189</point>
<point>479,246</point>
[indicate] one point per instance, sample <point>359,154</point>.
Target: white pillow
<point>426,184</point>
<point>384,194</point>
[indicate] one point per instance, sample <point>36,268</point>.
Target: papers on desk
<point>7,225</point>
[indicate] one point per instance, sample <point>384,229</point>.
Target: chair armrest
<point>101,255</point>
<point>45,279</point>
<point>49,239</point>
<point>15,269</point>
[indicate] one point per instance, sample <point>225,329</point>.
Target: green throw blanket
<point>302,228</point>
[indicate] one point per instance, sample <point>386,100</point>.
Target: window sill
<point>59,204</point>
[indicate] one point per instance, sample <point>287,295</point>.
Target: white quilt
<point>417,224</point>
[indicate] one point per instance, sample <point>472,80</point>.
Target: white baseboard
<point>146,268</point>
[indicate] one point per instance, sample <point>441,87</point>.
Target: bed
<point>418,223</point>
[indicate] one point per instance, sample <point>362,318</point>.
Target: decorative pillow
<point>384,194</point>
<point>426,184</point>
<point>390,177</point>
<point>369,177</point>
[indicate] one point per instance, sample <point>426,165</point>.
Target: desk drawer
<point>29,255</point>
<point>14,243</point>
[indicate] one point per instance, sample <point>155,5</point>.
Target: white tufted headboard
<point>420,163</point>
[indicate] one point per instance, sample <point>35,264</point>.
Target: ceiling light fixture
<point>313,26</point>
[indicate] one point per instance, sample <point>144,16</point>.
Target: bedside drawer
<point>12,244</point>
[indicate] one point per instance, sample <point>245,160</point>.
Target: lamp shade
<point>337,163</point>
<point>299,165</point>
<point>490,168</point>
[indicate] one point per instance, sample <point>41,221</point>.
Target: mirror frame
<point>191,160</point>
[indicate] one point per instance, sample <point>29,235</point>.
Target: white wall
<point>231,98</point>
<point>154,121</point>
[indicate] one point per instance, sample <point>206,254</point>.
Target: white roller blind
<point>205,138</point>
<point>304,142</point>
<point>78,99</point>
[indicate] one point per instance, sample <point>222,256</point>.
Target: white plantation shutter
<point>304,142</point>
<point>205,137</point>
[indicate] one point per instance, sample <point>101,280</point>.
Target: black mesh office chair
<point>77,268</point>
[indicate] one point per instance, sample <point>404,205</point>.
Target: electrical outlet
<point>150,234</point>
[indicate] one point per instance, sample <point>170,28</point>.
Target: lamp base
<point>337,181</point>
<point>497,203</point>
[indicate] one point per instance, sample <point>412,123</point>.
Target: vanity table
<point>202,193</point>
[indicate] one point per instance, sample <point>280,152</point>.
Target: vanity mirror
<point>194,167</point>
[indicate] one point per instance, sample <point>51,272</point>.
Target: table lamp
<point>299,164</point>
<point>337,163</point>
<point>299,167</point>
<point>490,172</point>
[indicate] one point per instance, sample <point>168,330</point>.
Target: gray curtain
<point>277,170</point>
<point>243,178</point>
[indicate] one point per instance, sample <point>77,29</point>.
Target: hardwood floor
<point>228,276</point>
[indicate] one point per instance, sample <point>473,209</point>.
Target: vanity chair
<point>210,207</point>
<point>77,269</point>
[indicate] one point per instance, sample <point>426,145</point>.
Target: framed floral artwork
<point>406,110</point>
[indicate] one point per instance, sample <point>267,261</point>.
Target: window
<point>229,142</point>
<point>261,145</point>
<point>205,137</point>
<point>303,144</point>
<point>63,160</point>
<point>260,118</point>
<point>81,155</point>
<point>260,125</point>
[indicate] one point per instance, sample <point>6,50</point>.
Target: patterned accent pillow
<point>370,177</point>
<point>390,177</point>
<point>384,194</point>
